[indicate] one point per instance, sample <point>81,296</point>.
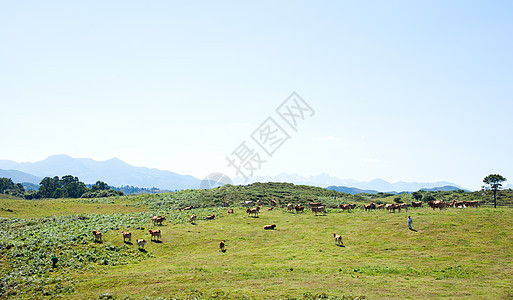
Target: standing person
<point>409,223</point>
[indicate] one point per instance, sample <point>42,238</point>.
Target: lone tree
<point>495,182</point>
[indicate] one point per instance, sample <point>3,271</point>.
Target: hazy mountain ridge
<point>325,180</point>
<point>114,171</point>
<point>19,177</point>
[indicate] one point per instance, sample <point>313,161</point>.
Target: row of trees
<point>7,186</point>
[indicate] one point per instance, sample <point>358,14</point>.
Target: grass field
<point>455,253</point>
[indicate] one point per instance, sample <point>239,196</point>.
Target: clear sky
<point>402,90</point>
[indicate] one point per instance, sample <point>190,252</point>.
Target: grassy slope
<point>455,253</point>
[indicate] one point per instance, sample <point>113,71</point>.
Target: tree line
<point>68,186</point>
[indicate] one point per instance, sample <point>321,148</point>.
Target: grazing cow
<point>314,204</point>
<point>270,208</point>
<point>299,208</point>
<point>221,245</point>
<point>248,203</point>
<point>389,207</point>
<point>370,206</point>
<point>272,203</point>
<point>188,208</point>
<point>159,220</point>
<point>230,211</point>
<point>141,243</point>
<point>403,206</point>
<point>192,220</point>
<point>211,217</point>
<point>155,234</point>
<point>338,239</point>
<point>154,219</point>
<point>270,227</point>
<point>97,236</point>
<point>440,204</point>
<point>347,207</point>
<point>380,206</point>
<point>127,235</point>
<point>290,207</point>
<point>416,204</point>
<point>319,209</point>
<point>253,211</point>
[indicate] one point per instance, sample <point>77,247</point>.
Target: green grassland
<point>455,253</point>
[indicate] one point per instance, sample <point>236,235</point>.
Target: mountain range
<point>374,186</point>
<point>115,172</point>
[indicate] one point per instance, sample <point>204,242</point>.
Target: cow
<point>290,207</point>
<point>159,220</point>
<point>253,211</point>
<point>416,204</point>
<point>299,208</point>
<point>347,207</point>
<point>211,217</point>
<point>370,206</point>
<point>192,220</point>
<point>141,243</point>
<point>155,234</point>
<point>272,203</point>
<point>338,239</point>
<point>380,206</point>
<point>221,245</point>
<point>188,208</point>
<point>270,208</point>
<point>259,202</point>
<point>389,207</point>
<point>270,227</point>
<point>318,209</point>
<point>154,219</point>
<point>97,236</point>
<point>403,206</point>
<point>440,204</point>
<point>127,235</point>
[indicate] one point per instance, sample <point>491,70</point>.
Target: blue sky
<point>402,90</point>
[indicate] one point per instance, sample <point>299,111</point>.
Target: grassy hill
<point>454,252</point>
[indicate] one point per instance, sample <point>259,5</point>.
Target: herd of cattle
<point>314,207</point>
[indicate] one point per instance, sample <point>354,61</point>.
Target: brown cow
<point>381,206</point>
<point>221,245</point>
<point>270,227</point>
<point>154,219</point>
<point>299,208</point>
<point>318,209</point>
<point>253,211</point>
<point>370,206</point>
<point>127,235</point>
<point>338,239</point>
<point>290,207</point>
<point>416,204</point>
<point>270,208</point>
<point>155,234</point>
<point>211,217</point>
<point>188,208</point>
<point>97,236</point>
<point>159,220</point>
